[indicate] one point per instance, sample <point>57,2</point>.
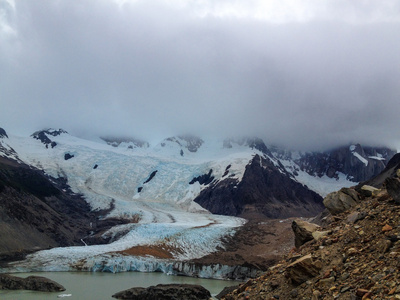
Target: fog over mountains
<point>302,75</point>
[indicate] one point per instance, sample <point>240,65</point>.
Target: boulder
<point>303,231</point>
<point>393,188</point>
<point>356,216</point>
<point>317,235</point>
<point>34,283</point>
<point>340,201</point>
<point>165,292</point>
<point>368,190</point>
<point>303,269</point>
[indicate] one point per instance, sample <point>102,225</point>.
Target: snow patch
<point>362,159</point>
<point>378,157</point>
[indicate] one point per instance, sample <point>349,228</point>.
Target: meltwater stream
<point>101,286</point>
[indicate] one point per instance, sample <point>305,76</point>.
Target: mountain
<point>330,170</point>
<point>161,195</point>
<point>356,162</point>
<point>265,190</point>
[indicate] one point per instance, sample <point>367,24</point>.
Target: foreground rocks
<point>34,283</point>
<point>357,258</point>
<point>340,201</point>
<point>303,231</point>
<point>166,292</point>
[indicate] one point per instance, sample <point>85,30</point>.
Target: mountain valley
<point>182,206</point>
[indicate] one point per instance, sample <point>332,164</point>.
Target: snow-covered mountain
<point>166,191</point>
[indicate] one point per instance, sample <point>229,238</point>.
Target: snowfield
<point>321,185</point>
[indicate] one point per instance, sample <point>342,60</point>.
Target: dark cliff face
<point>265,191</point>
<point>390,171</point>
<point>43,136</point>
<point>3,133</point>
<point>35,213</point>
<point>356,162</point>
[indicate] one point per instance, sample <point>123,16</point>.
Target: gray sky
<point>305,74</point>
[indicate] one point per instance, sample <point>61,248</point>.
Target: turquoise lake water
<point>101,286</point>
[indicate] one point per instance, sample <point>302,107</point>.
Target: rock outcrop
<point>303,269</point>
<point>166,292</point>
<point>43,136</point>
<point>390,171</point>
<point>34,283</point>
<point>265,190</point>
<point>303,231</point>
<point>393,188</point>
<point>340,201</point>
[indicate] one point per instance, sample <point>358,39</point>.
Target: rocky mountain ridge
<point>265,190</point>
<point>356,162</point>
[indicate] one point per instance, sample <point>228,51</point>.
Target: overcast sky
<point>304,74</point>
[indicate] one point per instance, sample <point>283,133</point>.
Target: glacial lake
<point>101,286</point>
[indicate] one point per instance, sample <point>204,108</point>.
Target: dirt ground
<point>258,244</point>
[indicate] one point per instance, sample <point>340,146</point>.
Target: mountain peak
<point>128,141</point>
<point>3,133</point>
<point>252,142</point>
<point>42,135</point>
<point>190,142</point>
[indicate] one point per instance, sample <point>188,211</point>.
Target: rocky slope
<point>355,255</point>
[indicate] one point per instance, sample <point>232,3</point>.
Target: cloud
<point>308,76</point>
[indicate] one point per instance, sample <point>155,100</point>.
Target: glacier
<point>164,207</point>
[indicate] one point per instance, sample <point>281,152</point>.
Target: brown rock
<point>338,202</point>
<point>371,189</point>
<point>303,231</point>
<point>302,270</point>
<point>317,235</point>
<point>393,188</point>
<point>384,246</point>
<point>392,291</point>
<point>34,283</point>
<point>326,282</point>
<point>361,292</point>
<point>387,228</point>
<point>316,295</point>
<point>351,251</point>
<point>356,216</point>
<point>166,292</point>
